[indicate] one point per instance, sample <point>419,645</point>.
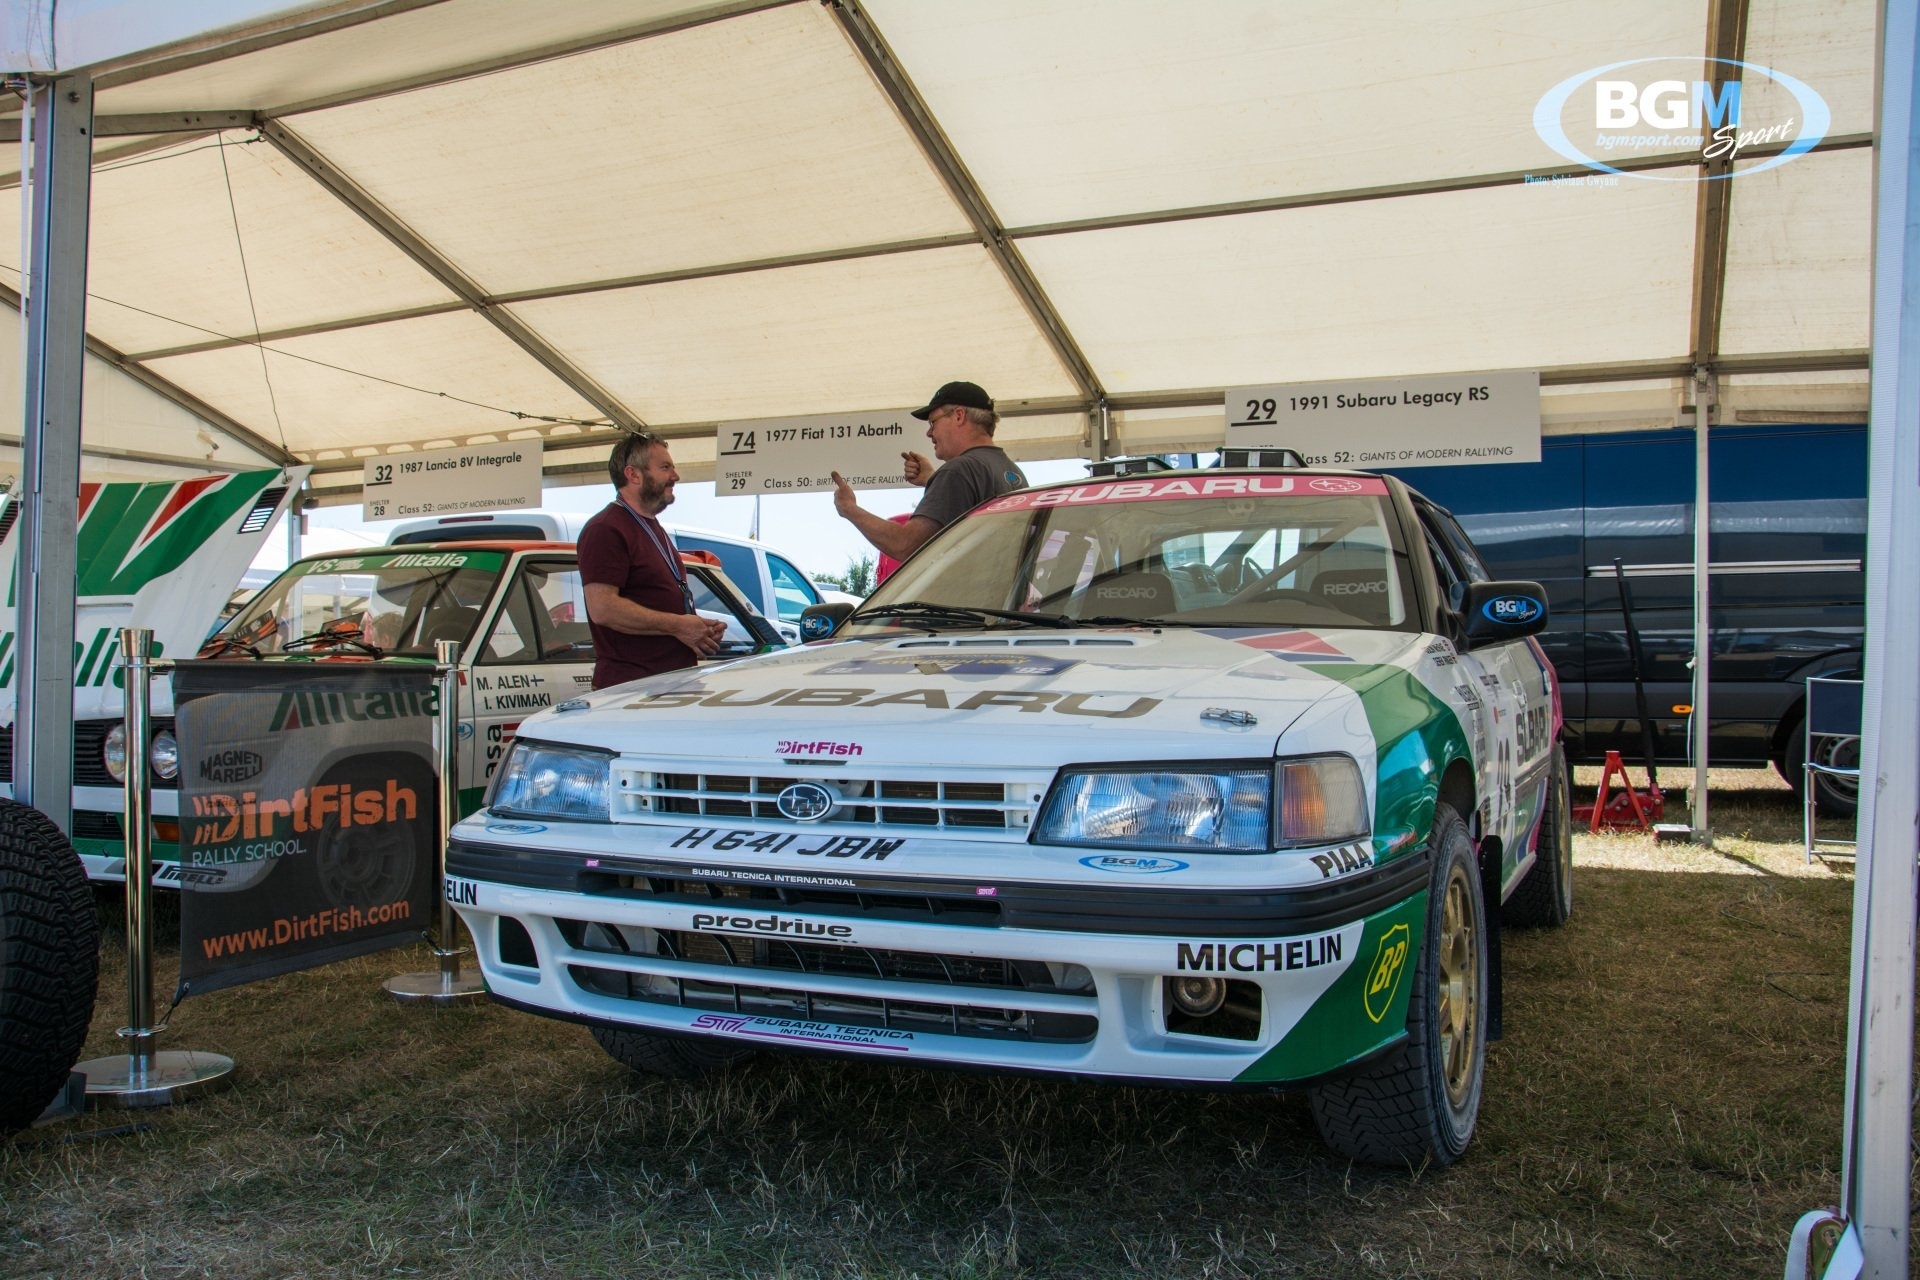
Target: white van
<point>774,584</point>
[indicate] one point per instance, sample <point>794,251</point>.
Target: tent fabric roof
<point>463,220</point>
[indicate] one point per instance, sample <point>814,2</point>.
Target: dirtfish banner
<point>308,808</point>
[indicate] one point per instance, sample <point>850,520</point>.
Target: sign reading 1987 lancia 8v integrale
<point>1219,777</point>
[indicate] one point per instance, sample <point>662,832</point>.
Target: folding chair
<point>1833,719</point>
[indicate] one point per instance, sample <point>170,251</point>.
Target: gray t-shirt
<point>967,481</point>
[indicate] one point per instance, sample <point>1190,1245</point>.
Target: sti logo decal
<point>1389,966</point>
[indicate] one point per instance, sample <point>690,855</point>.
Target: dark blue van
<point>1789,524</point>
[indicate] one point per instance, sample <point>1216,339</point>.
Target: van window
<point>791,591</point>
<point>737,562</point>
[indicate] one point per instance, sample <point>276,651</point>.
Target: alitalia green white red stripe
<point>1206,777</point>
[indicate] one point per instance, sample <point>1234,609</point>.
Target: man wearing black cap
<point>960,422</point>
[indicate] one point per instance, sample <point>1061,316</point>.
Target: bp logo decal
<point>1389,966</point>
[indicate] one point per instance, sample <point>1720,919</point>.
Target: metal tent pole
<point>1705,402</point>
<point>54,319</point>
<point>1871,1236</point>
<point>446,985</point>
<point>141,1077</point>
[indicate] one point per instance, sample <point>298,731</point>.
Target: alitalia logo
<point>306,710</point>
<point>96,661</point>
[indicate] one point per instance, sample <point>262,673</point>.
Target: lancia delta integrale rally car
<point>1220,777</point>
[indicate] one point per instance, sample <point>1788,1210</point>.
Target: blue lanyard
<point>674,566</point>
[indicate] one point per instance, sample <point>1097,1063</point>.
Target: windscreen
<point>1202,551</point>
<point>390,602</point>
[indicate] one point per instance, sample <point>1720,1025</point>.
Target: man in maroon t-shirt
<point>639,608</point>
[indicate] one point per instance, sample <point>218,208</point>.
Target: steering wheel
<point>1236,575</point>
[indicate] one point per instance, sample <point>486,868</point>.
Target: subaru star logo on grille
<point>805,802</point>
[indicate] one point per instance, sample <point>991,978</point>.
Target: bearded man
<point>639,607</point>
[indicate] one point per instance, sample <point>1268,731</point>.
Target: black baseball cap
<point>968,395</point>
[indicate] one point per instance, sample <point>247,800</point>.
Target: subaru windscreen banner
<point>307,814</point>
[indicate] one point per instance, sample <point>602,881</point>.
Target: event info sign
<point>1456,419</point>
<point>485,477</point>
<point>800,455</point>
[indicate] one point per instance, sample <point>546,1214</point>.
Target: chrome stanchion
<point>447,985</point>
<point>141,1077</point>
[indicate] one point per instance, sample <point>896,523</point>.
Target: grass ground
<point>1666,1102</point>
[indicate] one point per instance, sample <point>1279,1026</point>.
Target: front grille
<point>743,978</point>
<point>927,803</point>
<point>912,908</point>
<point>90,825</point>
<point>89,767</point>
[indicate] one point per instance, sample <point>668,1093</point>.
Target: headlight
<point>164,755</point>
<point>1223,811</point>
<point>113,753</point>
<point>1314,800</point>
<point>538,779</point>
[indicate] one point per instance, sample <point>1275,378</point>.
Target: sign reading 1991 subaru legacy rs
<point>1213,777</point>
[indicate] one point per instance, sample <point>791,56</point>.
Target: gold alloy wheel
<point>1459,995</point>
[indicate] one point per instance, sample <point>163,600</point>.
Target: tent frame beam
<point>180,396</point>
<point>919,121</point>
<point>856,253</point>
<point>450,277</point>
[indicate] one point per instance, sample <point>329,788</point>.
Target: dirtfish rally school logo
<point>1634,109</point>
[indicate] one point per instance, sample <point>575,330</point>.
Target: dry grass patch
<point>1666,1101</point>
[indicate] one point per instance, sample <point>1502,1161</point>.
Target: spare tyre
<point>49,962</point>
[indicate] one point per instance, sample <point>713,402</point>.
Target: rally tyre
<point>668,1055</point>
<point>1832,797</point>
<point>1544,899</point>
<point>1417,1106</point>
<point>49,962</point>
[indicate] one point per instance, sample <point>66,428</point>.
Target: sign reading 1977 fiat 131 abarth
<point>1218,777</point>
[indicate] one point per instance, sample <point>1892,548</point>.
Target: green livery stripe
<point>1364,1010</point>
<point>1415,737</point>
<point>110,562</point>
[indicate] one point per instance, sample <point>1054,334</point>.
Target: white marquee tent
<point>455,221</point>
<point>328,230</point>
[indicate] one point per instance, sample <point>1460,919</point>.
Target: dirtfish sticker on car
<point>795,1031</point>
<point>1388,968</point>
<point>1130,865</point>
<point>1259,957</point>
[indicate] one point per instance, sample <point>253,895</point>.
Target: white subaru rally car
<point>1216,777</point>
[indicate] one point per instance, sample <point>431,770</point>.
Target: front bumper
<point>1035,977</point>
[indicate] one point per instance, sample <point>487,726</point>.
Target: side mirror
<point>1493,612</point>
<point>820,621</point>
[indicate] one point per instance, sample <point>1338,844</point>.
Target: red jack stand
<point>1625,808</point>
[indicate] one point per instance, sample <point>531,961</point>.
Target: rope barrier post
<point>446,985</point>
<point>142,1077</point>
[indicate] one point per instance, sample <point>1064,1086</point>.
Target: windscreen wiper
<point>1114,620</point>
<point>332,638</point>
<point>221,646</point>
<point>962,613</point>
